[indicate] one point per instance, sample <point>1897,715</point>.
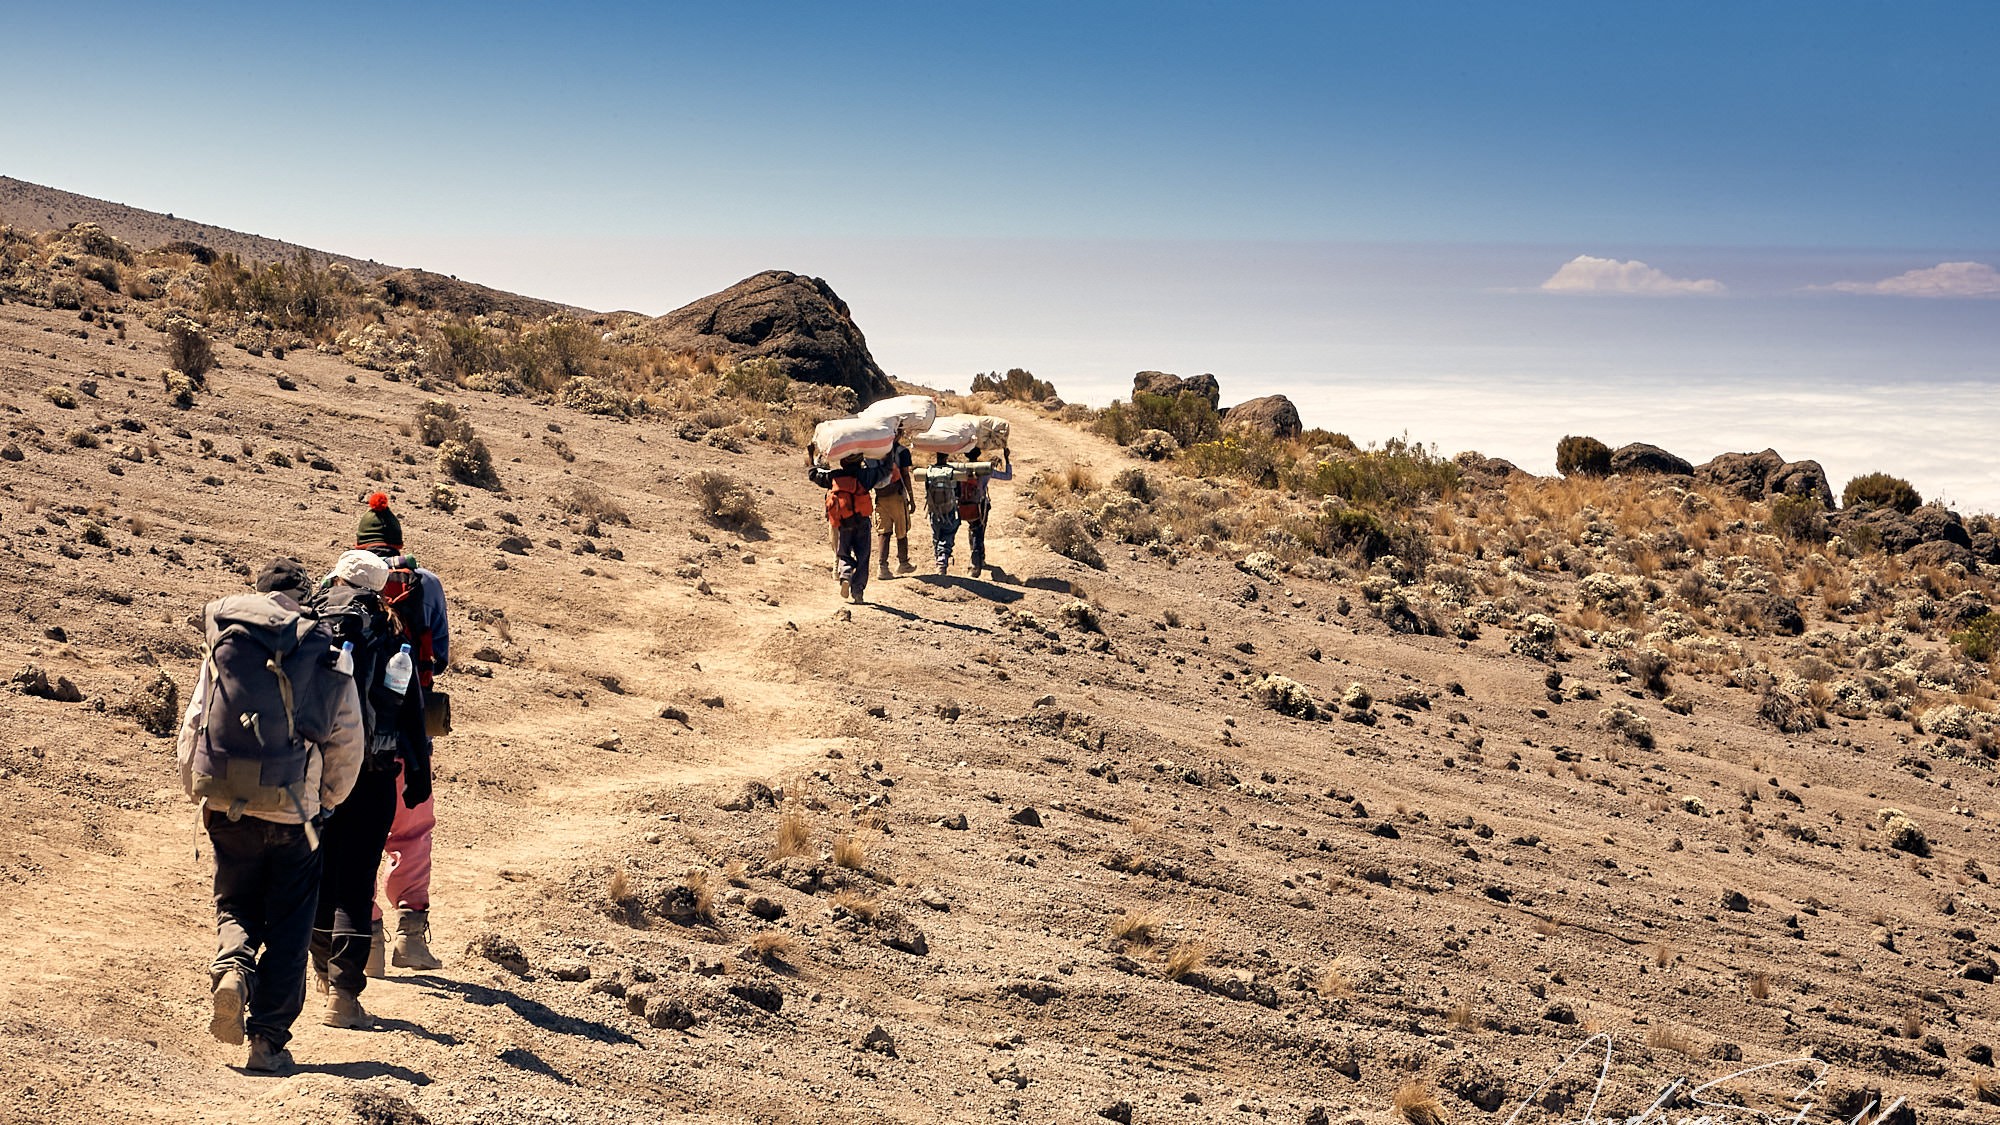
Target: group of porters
<point>869,466</point>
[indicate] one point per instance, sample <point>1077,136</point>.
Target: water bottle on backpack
<point>396,677</point>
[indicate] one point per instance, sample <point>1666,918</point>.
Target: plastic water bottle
<point>345,665</point>
<point>396,677</point>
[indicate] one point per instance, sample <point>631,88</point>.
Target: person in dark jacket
<point>397,765</point>
<point>894,502</point>
<point>849,506</point>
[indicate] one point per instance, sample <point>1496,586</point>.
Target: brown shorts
<point>892,514</point>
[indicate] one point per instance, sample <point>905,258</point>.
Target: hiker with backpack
<point>271,742</point>
<point>894,501</point>
<point>396,765</point>
<point>849,504</point>
<point>415,596</point>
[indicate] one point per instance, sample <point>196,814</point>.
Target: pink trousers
<point>408,878</point>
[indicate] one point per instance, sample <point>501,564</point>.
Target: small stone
<point>956,822</point>
<point>1027,816</point>
<point>878,1041</point>
<point>569,970</point>
<point>1735,901</point>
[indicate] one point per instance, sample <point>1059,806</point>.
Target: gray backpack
<point>273,688</point>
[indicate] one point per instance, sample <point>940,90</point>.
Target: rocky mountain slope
<point>1210,830</point>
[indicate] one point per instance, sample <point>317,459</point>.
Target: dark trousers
<point>351,850</point>
<point>850,550</point>
<point>266,883</point>
<point>944,530</point>
<point>975,542</point>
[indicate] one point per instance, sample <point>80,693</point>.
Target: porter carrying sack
<point>909,415</point>
<point>836,440</point>
<point>952,434</point>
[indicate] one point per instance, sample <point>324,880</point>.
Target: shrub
<point>1401,473</point>
<point>1252,458</point>
<point>83,439</point>
<point>1070,535</point>
<point>725,500</point>
<point>180,388</point>
<point>297,295</point>
<point>1981,640</point>
<point>438,421</point>
<point>1582,456</point>
<point>188,351</point>
<point>1187,417</point>
<point>590,501</point>
<point>1015,384</point>
<point>1138,926</point>
<point>759,380</point>
<point>1880,490</point>
<point>62,397</point>
<point>1801,519</point>
<point>593,397</point>
<point>467,461</point>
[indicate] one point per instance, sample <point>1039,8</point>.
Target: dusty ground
<point>1459,894</point>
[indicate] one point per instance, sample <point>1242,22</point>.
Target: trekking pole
<point>305,822</point>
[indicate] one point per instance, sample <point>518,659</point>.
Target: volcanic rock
<point>797,321</point>
<point>1272,416</point>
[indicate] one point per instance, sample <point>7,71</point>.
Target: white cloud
<point>1585,274</point>
<point>1946,279</point>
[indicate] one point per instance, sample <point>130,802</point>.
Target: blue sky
<point>1324,198</point>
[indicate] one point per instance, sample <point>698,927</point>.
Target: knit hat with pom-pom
<point>380,530</point>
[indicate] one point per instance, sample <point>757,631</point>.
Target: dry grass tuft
<point>794,836</point>
<point>701,885</point>
<point>857,905</point>
<point>1985,1090</point>
<point>774,947</point>
<point>1547,927</point>
<point>619,887</point>
<point>1760,986</point>
<point>1416,1104</point>
<point>1333,982</point>
<point>1913,1025</point>
<point>1666,1037</point>
<point>1663,955</point>
<point>1186,958</point>
<point>736,873</point>
<point>849,852</point>
<point>1461,1016</point>
<point>1140,927</point>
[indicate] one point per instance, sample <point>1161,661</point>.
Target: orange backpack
<point>845,499</point>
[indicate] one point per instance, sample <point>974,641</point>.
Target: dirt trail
<point>129,945</point>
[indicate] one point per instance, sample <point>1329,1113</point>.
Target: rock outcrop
<point>1639,459</point>
<point>1484,471</point>
<point>1755,476</point>
<point>1272,416</point>
<point>797,321</point>
<point>1162,383</point>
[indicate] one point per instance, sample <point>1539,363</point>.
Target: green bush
<point>1015,384</point>
<point>295,295</point>
<point>1252,458</point>
<point>759,380</point>
<point>1361,532</point>
<point>1981,640</point>
<point>1187,416</point>
<point>1582,456</point>
<point>1801,519</point>
<point>1400,474</point>
<point>1880,490</point>
<point>188,351</point>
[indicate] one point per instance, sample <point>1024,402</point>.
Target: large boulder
<point>1483,471</point>
<point>1168,386</point>
<point>1937,524</point>
<point>1940,552</point>
<point>1272,416</point>
<point>795,320</point>
<point>1639,459</point>
<point>1746,474</point>
<point>1801,478</point>
<point>1891,529</point>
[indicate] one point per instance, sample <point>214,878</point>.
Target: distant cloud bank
<point>1946,279</point>
<point>1585,274</point>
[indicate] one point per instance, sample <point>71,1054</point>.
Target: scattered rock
<point>878,1041</point>
<point>501,951</point>
<point>752,796</point>
<point>901,934</point>
<point>764,908</point>
<point>1027,816</point>
<point>1735,901</point>
<point>569,970</point>
<point>796,323</point>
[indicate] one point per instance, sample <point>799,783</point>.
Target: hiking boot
<point>343,1009</point>
<point>845,593</point>
<point>903,557</point>
<point>229,994</point>
<point>319,979</point>
<point>376,948</point>
<point>413,942</point>
<point>266,1059</point>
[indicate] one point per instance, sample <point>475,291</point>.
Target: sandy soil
<point>1460,894</point>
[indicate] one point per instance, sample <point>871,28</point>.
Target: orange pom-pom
<point>379,501</point>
